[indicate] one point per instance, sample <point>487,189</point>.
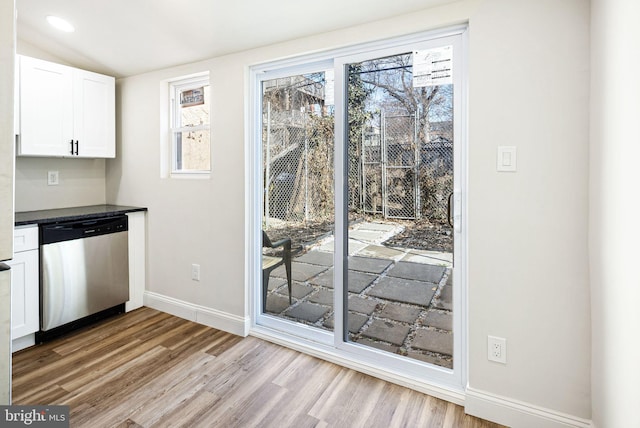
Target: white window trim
<point>168,151</point>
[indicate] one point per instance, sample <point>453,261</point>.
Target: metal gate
<point>390,160</point>
<point>401,176</point>
<point>400,159</point>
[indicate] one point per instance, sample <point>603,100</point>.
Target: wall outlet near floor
<point>497,349</point>
<point>52,178</point>
<point>195,272</point>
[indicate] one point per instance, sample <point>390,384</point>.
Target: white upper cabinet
<point>94,114</point>
<point>46,108</point>
<point>65,111</point>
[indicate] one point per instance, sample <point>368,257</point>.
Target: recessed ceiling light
<point>60,24</point>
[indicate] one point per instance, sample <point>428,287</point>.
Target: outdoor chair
<point>269,263</point>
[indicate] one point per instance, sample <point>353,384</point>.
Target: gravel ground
<point>423,235</point>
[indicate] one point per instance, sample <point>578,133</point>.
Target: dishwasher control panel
<point>79,229</point>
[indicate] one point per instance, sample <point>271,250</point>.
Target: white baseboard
<point>202,315</point>
<point>517,414</point>
<point>23,342</point>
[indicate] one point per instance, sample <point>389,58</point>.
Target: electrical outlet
<point>195,272</point>
<point>52,178</point>
<point>497,349</point>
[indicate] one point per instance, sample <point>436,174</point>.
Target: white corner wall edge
<point>200,314</point>
<point>137,259</point>
<point>514,413</point>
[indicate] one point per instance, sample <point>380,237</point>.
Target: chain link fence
<point>298,166</point>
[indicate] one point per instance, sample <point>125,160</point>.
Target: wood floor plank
<point>306,374</point>
<point>150,369</point>
<point>160,396</point>
<point>47,373</point>
<point>189,413</point>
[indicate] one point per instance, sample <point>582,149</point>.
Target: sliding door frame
<point>437,381</point>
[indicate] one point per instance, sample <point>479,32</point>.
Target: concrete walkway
<point>399,298</point>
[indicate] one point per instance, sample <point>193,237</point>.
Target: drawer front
<point>25,238</point>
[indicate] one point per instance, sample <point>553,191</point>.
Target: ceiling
<point>129,37</point>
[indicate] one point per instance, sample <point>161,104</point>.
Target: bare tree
<point>393,75</point>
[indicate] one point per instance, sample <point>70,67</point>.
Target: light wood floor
<point>151,369</point>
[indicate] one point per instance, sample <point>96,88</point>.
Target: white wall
<point>614,229</point>
<point>528,271</point>
<point>82,181</point>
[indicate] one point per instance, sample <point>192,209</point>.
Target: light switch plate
<point>507,159</point>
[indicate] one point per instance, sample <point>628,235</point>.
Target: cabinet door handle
<point>71,146</point>
<point>76,147</point>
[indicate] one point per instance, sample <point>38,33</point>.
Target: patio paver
<point>368,264</point>
<point>300,271</point>
<point>354,246</point>
<point>355,321</point>
<point>429,257</point>
<point>316,258</point>
<point>446,298</point>
<point>379,251</point>
<point>325,279</point>
<point>399,313</point>
<point>297,290</point>
<point>358,281</point>
<point>364,235</point>
<point>276,282</point>
<point>404,291</point>
<point>322,297</point>
<point>364,306</point>
<point>440,319</point>
<point>307,311</point>
<point>434,341</point>
<point>381,227</point>
<point>387,332</point>
<point>277,303</point>
<point>417,271</point>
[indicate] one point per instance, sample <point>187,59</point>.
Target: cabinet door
<point>46,108</point>
<point>24,294</point>
<point>94,114</point>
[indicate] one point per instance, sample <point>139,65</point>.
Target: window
<point>190,137</point>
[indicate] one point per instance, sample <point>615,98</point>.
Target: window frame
<point>175,87</point>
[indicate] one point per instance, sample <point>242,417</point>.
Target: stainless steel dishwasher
<point>84,272</point>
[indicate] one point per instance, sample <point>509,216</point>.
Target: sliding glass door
<point>361,195</point>
<point>297,125</point>
<point>400,182</point>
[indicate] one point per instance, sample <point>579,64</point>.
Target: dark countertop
<point>75,213</point>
